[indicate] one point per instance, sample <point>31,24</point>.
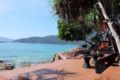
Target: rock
<point>74,53</point>
<point>6,65</point>
<point>56,57</point>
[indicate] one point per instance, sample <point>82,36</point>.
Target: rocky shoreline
<point>74,53</point>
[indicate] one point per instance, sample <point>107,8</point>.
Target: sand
<point>68,69</point>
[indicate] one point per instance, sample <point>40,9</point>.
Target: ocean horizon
<point>22,53</point>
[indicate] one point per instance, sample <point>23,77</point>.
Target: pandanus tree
<point>78,16</point>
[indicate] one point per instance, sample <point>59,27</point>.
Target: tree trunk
<point>116,37</point>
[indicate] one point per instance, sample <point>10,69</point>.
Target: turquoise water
<point>26,52</point>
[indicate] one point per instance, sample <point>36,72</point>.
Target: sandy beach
<point>68,69</point>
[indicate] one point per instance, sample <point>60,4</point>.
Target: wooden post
<point>115,35</point>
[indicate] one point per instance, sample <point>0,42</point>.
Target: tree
<point>70,11</point>
<point>72,23</point>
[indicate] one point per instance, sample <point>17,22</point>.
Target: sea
<point>24,53</point>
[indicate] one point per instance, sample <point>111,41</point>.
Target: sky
<point>26,18</point>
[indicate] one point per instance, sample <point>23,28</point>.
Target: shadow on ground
<point>45,74</point>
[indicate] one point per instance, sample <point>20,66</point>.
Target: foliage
<point>75,9</point>
<point>71,31</point>
<point>78,17</point>
<point>112,7</point>
<point>71,9</point>
<point>91,18</point>
<point>76,30</point>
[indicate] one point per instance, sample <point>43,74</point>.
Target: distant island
<point>52,39</point>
